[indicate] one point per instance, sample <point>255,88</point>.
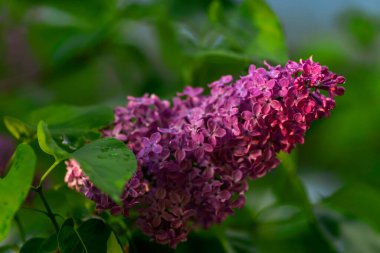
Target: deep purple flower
<point>195,156</point>
<point>214,131</point>
<point>151,145</point>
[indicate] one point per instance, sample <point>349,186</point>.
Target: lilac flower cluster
<point>195,156</point>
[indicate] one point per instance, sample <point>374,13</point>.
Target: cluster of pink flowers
<point>196,154</point>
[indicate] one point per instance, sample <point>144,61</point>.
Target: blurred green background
<point>324,198</point>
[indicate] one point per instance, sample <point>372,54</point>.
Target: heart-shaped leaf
<point>108,163</point>
<point>15,186</point>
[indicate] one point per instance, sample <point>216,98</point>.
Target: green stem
<point>50,214</point>
<point>20,227</point>
<point>34,209</point>
<point>131,244</point>
<point>298,185</point>
<point>313,222</point>
<point>47,172</point>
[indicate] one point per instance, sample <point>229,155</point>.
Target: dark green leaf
<point>15,186</point>
<point>210,65</point>
<point>212,240</point>
<point>47,143</point>
<point>40,245</point>
<point>49,245</point>
<point>141,243</point>
<point>90,237</point>
<point>69,240</point>
<point>19,129</point>
<point>108,163</point>
<point>32,245</point>
<point>94,234</point>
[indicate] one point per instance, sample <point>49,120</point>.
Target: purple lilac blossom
<point>196,154</point>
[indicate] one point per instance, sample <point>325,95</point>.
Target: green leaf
<point>359,200</point>
<point>288,161</point>
<point>90,237</point>
<point>94,10</point>
<point>108,163</point>
<point>94,234</point>
<point>69,240</point>
<point>212,240</point>
<point>215,11</point>
<point>9,248</point>
<point>49,244</point>
<point>15,186</point>
<point>210,65</point>
<point>236,241</point>
<point>32,245</point>
<point>47,143</point>
<point>269,41</point>
<point>252,28</point>
<point>359,237</point>
<point>113,245</point>
<point>19,129</point>
<point>172,52</point>
<point>73,120</point>
<point>40,245</point>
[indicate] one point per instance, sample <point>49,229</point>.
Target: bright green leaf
<point>113,245</point>
<point>108,163</point>
<point>269,40</point>
<point>214,11</point>
<point>19,129</point>
<point>15,186</point>
<point>288,161</point>
<point>47,143</point>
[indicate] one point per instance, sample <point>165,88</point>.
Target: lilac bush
<point>196,153</point>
